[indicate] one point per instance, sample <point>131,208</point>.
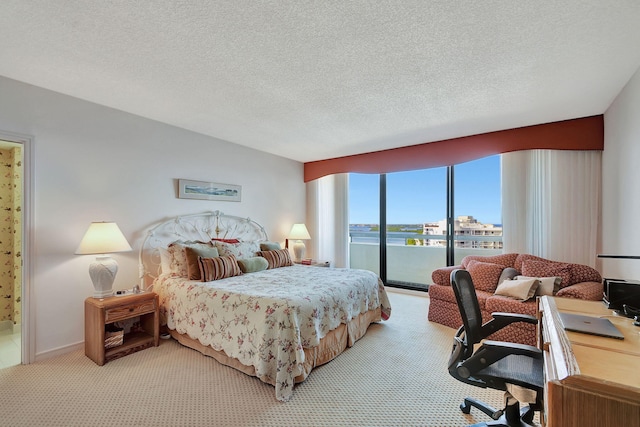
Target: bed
<point>276,324</point>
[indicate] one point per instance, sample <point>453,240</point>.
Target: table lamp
<point>103,238</point>
<point>299,233</point>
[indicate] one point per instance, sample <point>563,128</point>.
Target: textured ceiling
<point>311,80</point>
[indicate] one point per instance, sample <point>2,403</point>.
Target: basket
<point>113,336</point>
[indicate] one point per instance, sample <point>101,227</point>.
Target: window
<point>477,208</point>
<point>414,210</point>
<point>414,200</point>
<point>364,221</point>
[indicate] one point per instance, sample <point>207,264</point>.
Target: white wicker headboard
<point>200,227</point>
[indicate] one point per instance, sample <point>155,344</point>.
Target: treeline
<point>398,228</point>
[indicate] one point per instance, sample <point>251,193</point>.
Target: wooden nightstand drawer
<point>128,311</point>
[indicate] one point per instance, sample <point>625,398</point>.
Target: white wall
<point>94,163</point>
<point>621,183</point>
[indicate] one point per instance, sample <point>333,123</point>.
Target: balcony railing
<point>411,264</point>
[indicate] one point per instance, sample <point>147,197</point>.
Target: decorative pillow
<point>485,275</point>
<point>521,289</point>
<point>531,268</point>
<point>584,273</point>
<point>508,273</point>
<point>192,252</point>
<point>277,259</point>
<point>270,246</point>
<point>547,286</point>
<point>177,259</point>
<point>517,264</point>
<point>218,268</point>
<point>240,250</point>
<point>253,264</point>
<point>225,240</point>
<point>505,260</point>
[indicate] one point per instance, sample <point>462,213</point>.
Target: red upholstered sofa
<point>574,281</point>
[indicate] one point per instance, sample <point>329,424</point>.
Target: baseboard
<point>6,325</point>
<point>59,351</point>
<point>407,291</point>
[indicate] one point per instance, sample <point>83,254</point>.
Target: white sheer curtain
<point>328,219</point>
<point>551,203</point>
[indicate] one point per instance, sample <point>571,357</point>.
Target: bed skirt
<point>332,345</point>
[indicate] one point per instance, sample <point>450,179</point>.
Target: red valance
<point>577,134</point>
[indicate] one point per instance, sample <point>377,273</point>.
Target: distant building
<point>467,231</point>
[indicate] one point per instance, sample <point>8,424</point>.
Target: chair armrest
<point>513,348</point>
<point>501,320</point>
<point>584,290</point>
<point>442,276</point>
<point>514,317</point>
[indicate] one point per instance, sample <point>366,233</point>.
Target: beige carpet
<point>395,376</point>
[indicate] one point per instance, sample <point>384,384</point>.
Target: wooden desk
<point>589,380</point>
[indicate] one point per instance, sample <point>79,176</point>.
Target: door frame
<point>27,321</point>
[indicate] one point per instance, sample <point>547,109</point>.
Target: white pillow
<point>176,258</point>
<point>547,284</point>
<point>521,289</point>
<point>241,250</point>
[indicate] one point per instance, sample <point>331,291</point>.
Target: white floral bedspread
<point>265,319</point>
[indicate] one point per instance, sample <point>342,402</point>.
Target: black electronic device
<point>618,292</point>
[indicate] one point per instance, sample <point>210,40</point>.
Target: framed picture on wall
<point>188,189</point>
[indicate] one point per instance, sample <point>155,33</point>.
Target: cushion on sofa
<point>547,286</point>
<point>521,258</point>
<point>485,275</point>
<point>445,293</point>
<point>532,268</point>
<point>519,289</point>
<point>498,303</point>
<point>519,332</point>
<point>584,273</point>
<point>508,273</point>
<point>506,260</point>
<point>584,290</point>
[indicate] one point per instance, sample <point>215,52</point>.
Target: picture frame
<point>188,189</point>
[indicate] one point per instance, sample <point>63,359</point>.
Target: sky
<point>420,196</point>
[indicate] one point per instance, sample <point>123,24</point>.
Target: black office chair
<point>494,364</point>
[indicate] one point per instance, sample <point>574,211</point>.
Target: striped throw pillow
<point>218,268</point>
<point>277,258</point>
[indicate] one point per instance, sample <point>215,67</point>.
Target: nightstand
<point>315,263</point>
<point>99,313</point>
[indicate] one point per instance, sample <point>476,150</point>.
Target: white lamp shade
<point>299,232</point>
<point>103,238</point>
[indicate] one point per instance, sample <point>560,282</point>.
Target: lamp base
<point>299,250</point>
<point>103,272</point>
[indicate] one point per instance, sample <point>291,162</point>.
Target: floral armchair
<point>565,280</point>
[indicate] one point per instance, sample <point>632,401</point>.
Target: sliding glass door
<point>364,222</point>
<point>415,200</point>
<point>425,219</point>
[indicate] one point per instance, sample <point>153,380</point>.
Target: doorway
<point>12,226</point>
